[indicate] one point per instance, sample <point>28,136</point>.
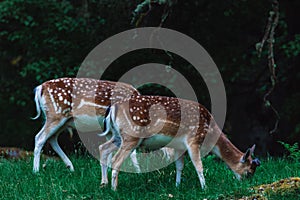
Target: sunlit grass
<point>55,182</point>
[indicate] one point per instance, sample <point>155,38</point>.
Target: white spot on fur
<point>53,101</point>
<point>83,103</point>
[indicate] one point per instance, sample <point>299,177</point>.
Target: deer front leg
<point>135,161</point>
<point>194,153</point>
<point>179,166</point>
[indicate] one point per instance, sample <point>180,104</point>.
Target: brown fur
<point>138,119</point>
<point>175,112</point>
<point>61,100</point>
<point>73,90</point>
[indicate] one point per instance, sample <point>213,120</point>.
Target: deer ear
<point>246,155</point>
<point>252,149</point>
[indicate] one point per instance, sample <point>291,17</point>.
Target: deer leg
<point>168,153</point>
<point>124,151</point>
<point>109,157</point>
<point>194,153</point>
<point>105,152</point>
<point>135,161</point>
<point>39,143</point>
<point>59,151</point>
<point>45,133</point>
<point>179,166</point>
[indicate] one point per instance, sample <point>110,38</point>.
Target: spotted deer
<point>66,102</point>
<point>152,122</point>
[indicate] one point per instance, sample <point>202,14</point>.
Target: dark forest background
<point>42,40</point>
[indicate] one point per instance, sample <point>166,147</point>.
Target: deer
<point>66,102</point>
<point>153,122</point>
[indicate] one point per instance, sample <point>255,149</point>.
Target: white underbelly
<point>159,140</point>
<point>86,123</point>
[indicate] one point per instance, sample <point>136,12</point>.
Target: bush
<point>294,151</point>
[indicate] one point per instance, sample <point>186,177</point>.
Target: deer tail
<point>37,99</point>
<point>106,122</point>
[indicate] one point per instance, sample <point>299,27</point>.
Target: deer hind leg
<point>54,144</point>
<point>105,152</point>
<point>194,153</point>
<point>49,129</point>
<point>124,151</point>
<point>179,166</point>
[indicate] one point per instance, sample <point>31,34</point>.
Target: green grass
<point>55,182</point>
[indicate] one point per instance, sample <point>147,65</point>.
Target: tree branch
<point>144,8</point>
<point>269,37</point>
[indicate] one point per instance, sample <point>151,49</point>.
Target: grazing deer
<point>69,101</point>
<point>180,124</point>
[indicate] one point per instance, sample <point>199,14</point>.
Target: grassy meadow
<point>55,181</point>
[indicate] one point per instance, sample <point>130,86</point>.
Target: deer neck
<point>230,154</point>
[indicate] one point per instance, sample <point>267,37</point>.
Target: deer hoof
<point>102,185</point>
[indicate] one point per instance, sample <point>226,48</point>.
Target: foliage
<point>43,33</point>
<point>294,151</point>
<point>292,48</point>
<point>56,182</point>
<point>42,40</point>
